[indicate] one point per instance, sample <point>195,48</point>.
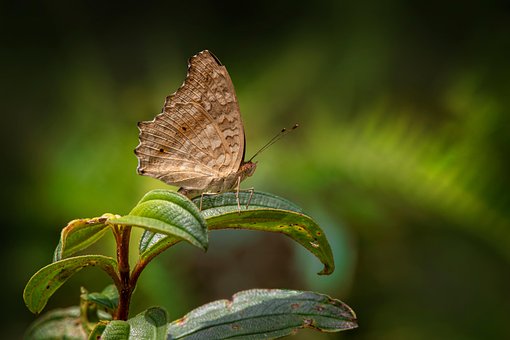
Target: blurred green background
<point>402,155</point>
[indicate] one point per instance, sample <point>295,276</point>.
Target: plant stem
<point>122,236</point>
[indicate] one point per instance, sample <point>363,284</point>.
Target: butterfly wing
<point>199,136</point>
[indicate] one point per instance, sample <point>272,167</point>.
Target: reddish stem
<point>122,235</point>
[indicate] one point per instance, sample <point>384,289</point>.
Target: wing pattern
<point>199,136</point>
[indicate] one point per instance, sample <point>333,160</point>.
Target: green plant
<point>167,218</point>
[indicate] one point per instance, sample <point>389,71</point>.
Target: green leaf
<point>217,204</point>
<point>169,213</point>
<point>108,298</point>
<point>63,323</point>
<point>98,330</point>
<point>116,330</point>
<point>264,313</point>
<point>57,324</point>
<point>79,234</point>
<point>267,212</point>
<point>89,312</point>
<point>152,244</point>
<point>47,280</point>
<point>150,324</point>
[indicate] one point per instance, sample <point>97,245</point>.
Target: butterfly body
<point>223,184</point>
<point>197,142</point>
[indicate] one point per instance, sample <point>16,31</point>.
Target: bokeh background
<point>402,155</point>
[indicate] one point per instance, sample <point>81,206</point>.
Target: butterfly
<point>197,142</point>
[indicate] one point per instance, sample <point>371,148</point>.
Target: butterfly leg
<point>237,194</point>
<point>251,190</point>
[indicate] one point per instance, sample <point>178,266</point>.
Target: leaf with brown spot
<point>264,313</point>
<point>47,280</point>
<point>80,234</point>
<point>267,212</point>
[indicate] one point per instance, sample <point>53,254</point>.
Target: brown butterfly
<point>197,142</point>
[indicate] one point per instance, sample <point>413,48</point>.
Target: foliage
<point>402,158</point>
<point>168,218</point>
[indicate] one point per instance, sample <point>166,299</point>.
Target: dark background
<point>402,155</point>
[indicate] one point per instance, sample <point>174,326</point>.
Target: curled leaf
<point>80,234</point>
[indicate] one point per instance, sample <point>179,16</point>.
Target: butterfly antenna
<point>273,140</point>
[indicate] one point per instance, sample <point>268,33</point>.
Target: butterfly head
<point>247,169</point>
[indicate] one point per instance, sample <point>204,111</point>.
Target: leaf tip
<point>327,270</point>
